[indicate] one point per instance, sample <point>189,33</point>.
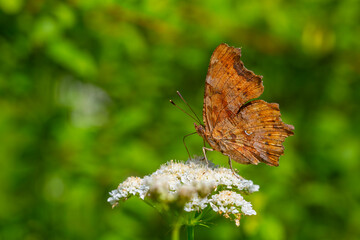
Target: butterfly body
<point>249,132</point>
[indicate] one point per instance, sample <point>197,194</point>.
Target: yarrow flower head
<point>190,187</point>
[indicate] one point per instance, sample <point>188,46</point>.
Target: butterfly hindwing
<point>256,134</point>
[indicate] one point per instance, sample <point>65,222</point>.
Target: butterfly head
<point>200,129</point>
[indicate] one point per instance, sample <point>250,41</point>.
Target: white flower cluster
<point>194,186</point>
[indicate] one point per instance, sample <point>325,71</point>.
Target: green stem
<point>175,235</point>
<point>190,232</point>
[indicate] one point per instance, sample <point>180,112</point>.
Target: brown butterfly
<point>247,131</point>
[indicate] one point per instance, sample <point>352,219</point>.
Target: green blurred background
<point>84,90</point>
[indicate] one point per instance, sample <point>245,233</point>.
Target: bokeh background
<point>84,103</point>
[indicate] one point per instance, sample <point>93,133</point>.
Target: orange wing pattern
<point>249,133</point>
<point>228,85</point>
<point>254,135</point>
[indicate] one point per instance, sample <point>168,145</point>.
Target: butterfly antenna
<point>172,102</point>
<point>188,106</point>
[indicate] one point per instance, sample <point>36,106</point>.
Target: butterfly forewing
<point>228,85</point>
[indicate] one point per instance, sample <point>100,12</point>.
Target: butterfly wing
<point>228,86</point>
<point>256,134</point>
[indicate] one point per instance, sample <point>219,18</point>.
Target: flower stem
<point>175,235</point>
<point>190,232</point>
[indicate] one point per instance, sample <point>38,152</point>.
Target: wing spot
<point>266,143</point>
<point>238,66</point>
<point>248,133</point>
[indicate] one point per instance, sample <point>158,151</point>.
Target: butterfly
<point>247,131</point>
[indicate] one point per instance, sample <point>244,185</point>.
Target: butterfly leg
<point>187,150</point>
<point>204,151</point>
<point>235,173</point>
